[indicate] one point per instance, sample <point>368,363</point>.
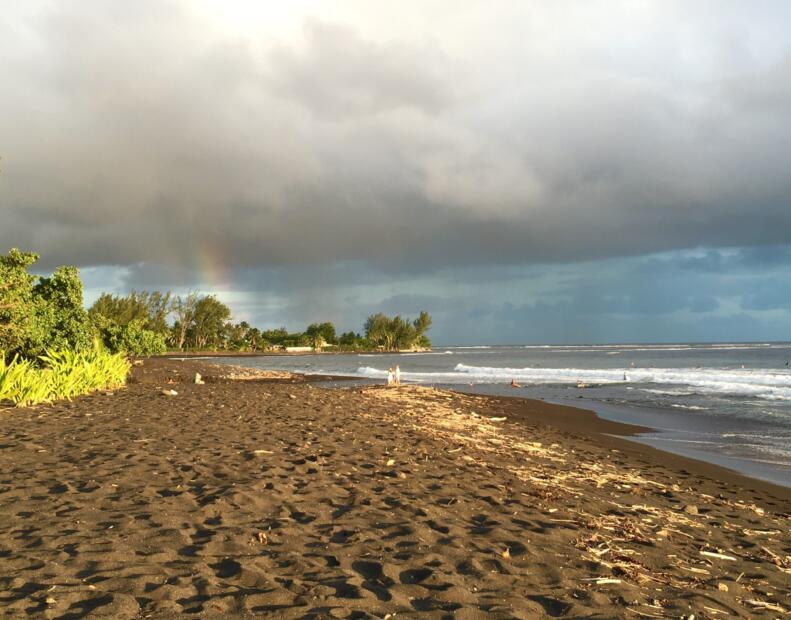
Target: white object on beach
<point>397,375</point>
<point>390,376</point>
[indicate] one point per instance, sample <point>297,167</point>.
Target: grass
<point>61,375</point>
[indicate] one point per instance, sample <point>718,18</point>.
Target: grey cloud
<point>410,305</point>
<point>771,293</point>
<point>767,257</point>
<point>139,133</point>
<point>712,261</point>
<point>341,74</point>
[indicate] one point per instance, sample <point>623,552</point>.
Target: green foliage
<point>149,309</point>
<point>208,323</point>
<point>61,374</point>
<point>133,338</point>
<point>183,309</point>
<point>39,313</point>
<point>62,319</point>
<point>255,341</point>
<point>135,323</point>
<point>397,333</point>
<point>319,334</point>
<point>422,323</point>
<point>276,336</point>
<point>17,320</point>
<point>36,313</point>
<point>350,341</point>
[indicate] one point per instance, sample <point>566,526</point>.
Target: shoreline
<point>586,421</point>
<point>178,355</point>
<point>267,494</point>
<point>583,422</point>
<point>732,467</point>
<point>616,435</point>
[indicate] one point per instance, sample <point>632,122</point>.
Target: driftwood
<point>613,540</point>
<point>718,556</point>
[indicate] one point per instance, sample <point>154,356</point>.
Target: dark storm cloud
<point>142,132</point>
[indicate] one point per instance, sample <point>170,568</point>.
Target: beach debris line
<point>767,605</point>
<point>718,556</point>
<point>600,581</point>
<point>621,539</point>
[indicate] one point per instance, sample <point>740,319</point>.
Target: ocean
<point>726,403</point>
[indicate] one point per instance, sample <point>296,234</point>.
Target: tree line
<point>203,322</point>
<point>39,313</point>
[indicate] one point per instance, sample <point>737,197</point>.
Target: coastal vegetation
<point>138,323</point>
<point>61,374</point>
<point>52,347</point>
<point>48,344</point>
<point>39,313</point>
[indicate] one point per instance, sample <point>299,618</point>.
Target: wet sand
<point>271,496</point>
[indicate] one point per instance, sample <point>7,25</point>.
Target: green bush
<point>61,374</point>
<point>132,338</point>
<point>37,313</point>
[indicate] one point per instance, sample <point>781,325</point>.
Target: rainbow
<point>211,268</point>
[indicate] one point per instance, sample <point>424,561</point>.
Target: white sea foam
<point>630,348</point>
<point>738,382</point>
<point>678,392</point>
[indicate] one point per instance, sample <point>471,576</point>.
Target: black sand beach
<point>266,495</point>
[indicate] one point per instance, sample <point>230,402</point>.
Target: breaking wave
<point>735,382</point>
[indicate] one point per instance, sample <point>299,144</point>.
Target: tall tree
<point>396,332</point>
<point>276,336</point>
<point>320,334</point>
<point>184,312</point>
<point>377,330</point>
<point>149,310</point>
<point>159,306</point>
<point>60,303</point>
<point>17,315</point>
<point>422,323</point>
<point>208,322</point>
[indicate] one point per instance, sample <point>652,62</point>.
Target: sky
<point>528,172</point>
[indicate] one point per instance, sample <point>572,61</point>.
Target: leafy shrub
<point>61,374</point>
<point>132,338</point>
<point>37,313</point>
